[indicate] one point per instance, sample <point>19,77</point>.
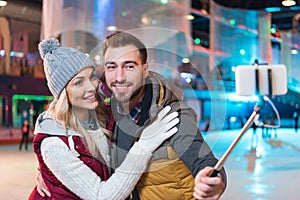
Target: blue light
<point>295,8</point>
<point>273,9</point>
<point>103,10</point>
<point>237,98</point>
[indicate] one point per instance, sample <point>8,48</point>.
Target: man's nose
<point>120,74</point>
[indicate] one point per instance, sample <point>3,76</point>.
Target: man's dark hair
<point>120,39</point>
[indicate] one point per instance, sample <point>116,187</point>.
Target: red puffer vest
<point>57,189</point>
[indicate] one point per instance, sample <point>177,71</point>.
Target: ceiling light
<point>3,3</point>
<point>288,2</point>
<point>190,17</point>
<point>111,28</point>
<point>294,51</point>
<point>185,60</point>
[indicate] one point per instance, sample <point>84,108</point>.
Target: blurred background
<point>194,43</point>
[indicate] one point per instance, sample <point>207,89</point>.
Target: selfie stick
<point>221,162</point>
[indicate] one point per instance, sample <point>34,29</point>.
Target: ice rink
<point>259,167</point>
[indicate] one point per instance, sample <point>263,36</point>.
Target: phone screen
<point>261,80</point>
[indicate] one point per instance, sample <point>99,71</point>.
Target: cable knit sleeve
<point>81,180</point>
<point>101,141</point>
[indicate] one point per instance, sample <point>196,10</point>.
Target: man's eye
<point>110,67</point>
<point>130,67</point>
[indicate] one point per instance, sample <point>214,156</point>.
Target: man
<point>137,95</point>
<point>180,168</point>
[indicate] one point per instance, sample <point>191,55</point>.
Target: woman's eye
<point>94,77</point>
<point>78,83</point>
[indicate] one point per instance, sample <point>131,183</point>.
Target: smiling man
<point>126,89</point>
<point>180,167</point>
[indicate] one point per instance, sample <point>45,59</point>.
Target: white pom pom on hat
<point>61,64</point>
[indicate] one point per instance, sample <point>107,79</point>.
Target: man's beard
<point>124,99</point>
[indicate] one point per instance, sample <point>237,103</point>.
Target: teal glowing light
<point>197,41</point>
<point>242,51</point>
<point>164,1</point>
<point>232,22</point>
<point>124,14</point>
<point>273,30</point>
<point>32,97</point>
<point>232,119</point>
<point>17,97</point>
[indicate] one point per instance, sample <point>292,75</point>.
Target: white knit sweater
<point>80,179</point>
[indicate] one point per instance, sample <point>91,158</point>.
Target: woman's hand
<point>159,130</point>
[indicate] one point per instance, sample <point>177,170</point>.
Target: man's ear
<point>146,70</point>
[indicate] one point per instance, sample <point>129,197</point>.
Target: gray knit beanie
<point>61,64</point>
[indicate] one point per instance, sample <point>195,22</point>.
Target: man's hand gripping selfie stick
<point>221,162</point>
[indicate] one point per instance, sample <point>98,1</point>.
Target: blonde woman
<point>71,145</point>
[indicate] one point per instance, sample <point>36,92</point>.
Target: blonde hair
<point>62,113</point>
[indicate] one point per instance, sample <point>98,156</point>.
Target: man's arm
<point>41,187</point>
<point>190,146</point>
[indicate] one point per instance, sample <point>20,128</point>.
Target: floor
<point>259,168</point>
<point>18,170</point>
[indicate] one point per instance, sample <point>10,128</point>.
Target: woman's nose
<point>92,84</point>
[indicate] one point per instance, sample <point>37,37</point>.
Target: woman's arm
<point>81,180</point>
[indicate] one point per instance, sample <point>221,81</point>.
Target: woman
<point>71,147</point>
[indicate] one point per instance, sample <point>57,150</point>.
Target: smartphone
<point>260,80</point>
